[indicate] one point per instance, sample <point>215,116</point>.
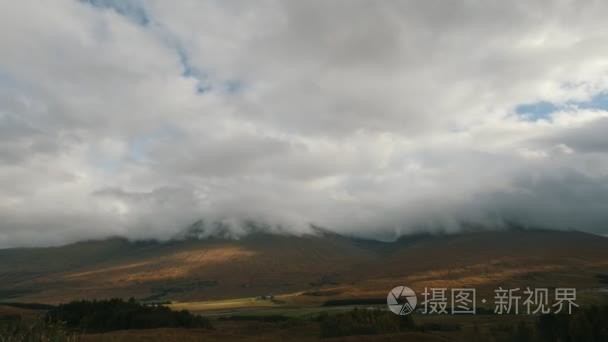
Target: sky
<point>376,119</point>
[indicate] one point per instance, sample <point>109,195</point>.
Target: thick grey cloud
<point>138,118</point>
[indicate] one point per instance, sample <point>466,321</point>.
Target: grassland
<point>225,278</point>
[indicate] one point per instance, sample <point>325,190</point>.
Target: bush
<point>35,331</point>
<point>584,324</point>
<point>117,314</point>
<point>364,322</point>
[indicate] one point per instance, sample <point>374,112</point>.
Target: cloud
<point>139,118</point>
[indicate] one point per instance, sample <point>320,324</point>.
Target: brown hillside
<point>261,264</point>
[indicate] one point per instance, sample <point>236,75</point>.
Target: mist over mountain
<point>194,268</point>
<point>139,118</point>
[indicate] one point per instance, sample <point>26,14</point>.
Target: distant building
<point>266,297</point>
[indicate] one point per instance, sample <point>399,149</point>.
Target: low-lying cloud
<point>139,118</point>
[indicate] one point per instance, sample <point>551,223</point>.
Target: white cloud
<point>370,119</point>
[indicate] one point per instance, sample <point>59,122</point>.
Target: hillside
<point>326,265</point>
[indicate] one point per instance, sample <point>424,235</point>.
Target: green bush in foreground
<point>117,314</point>
<point>589,324</point>
<point>14,329</point>
<point>364,322</point>
<point>585,324</point>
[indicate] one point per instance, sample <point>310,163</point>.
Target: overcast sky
<point>138,118</point>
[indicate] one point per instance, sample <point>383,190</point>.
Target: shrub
<point>117,314</point>
<point>364,322</point>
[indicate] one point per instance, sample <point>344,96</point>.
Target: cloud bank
<point>138,118</point>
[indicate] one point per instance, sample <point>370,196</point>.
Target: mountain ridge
<point>210,268</point>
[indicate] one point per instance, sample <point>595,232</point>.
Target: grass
<point>186,272</point>
<point>228,304</point>
<point>244,319</point>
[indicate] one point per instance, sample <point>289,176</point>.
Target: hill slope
<point>259,264</point>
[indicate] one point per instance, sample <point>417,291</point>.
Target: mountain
<point>323,266</point>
